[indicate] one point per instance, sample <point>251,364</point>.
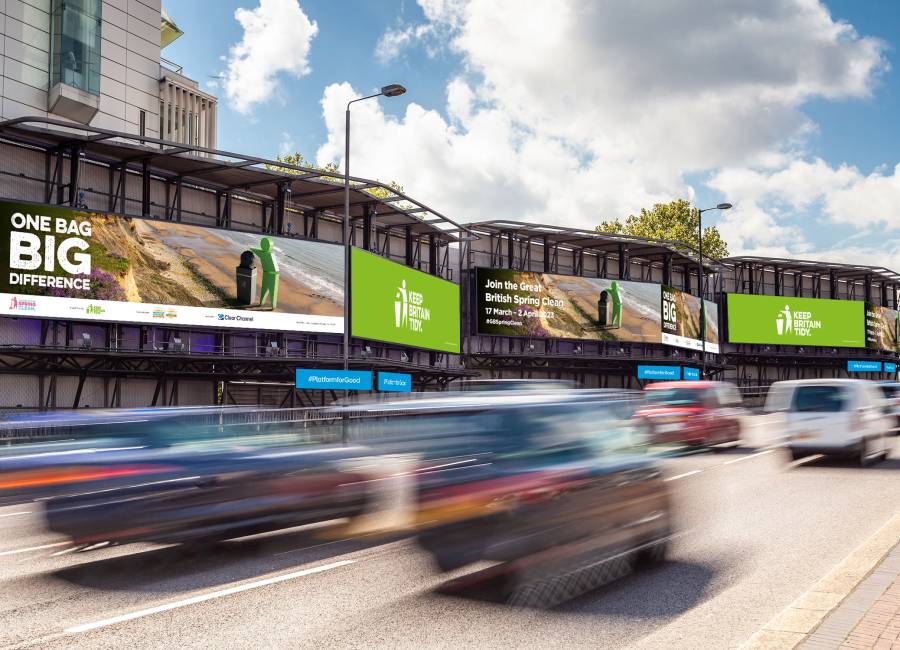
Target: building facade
<point>98,63</point>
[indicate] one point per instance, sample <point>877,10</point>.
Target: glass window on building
<point>75,44</point>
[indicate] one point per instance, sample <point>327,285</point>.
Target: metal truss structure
<point>569,251</point>
<point>763,364</point>
<point>59,163</point>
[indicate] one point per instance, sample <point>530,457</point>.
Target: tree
<point>674,221</point>
<point>334,174</point>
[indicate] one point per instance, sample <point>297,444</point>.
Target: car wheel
<point>864,453</point>
<point>653,554</point>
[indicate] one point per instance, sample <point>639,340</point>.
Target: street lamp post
<point>392,90</point>
<point>720,206</point>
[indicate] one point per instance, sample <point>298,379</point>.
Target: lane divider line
<point>742,458</point>
<point>33,548</point>
<point>193,600</point>
<point>685,475</point>
<point>15,514</point>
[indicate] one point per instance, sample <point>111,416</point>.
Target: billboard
<point>681,321</point>
<point>546,305</point>
<point>881,328</point>
<point>396,304</point>
<point>65,263</point>
<point>783,320</point>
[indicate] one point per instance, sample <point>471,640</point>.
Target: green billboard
<point>783,320</point>
<point>396,304</point>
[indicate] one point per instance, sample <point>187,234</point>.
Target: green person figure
<point>271,277</point>
<point>610,307</point>
<point>617,304</point>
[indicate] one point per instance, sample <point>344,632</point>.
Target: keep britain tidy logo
<point>796,323</point>
<point>410,312</point>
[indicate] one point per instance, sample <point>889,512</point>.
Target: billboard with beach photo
<point>881,328</point>
<point>547,305</point>
<point>681,321</point>
<point>75,264</point>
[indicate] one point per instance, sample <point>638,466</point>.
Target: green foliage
<point>334,174</point>
<point>103,259</point>
<point>674,221</point>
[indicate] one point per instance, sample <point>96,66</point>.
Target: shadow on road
<point>848,463</point>
<point>661,591</point>
<point>182,568</point>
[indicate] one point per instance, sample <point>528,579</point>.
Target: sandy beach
<point>179,264</point>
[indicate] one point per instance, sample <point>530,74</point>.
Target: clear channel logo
<point>410,312</point>
<point>796,323</point>
<point>234,317</point>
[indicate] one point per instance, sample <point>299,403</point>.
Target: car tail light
<point>81,474</point>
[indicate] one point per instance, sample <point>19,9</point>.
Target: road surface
<point>757,533</point>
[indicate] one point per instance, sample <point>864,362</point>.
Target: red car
<point>693,412</point>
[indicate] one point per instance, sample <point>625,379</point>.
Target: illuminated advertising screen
<point>64,263</point>
<point>881,328</point>
<point>782,320</point>
<point>396,304</point>
<point>681,321</point>
<point>522,303</point>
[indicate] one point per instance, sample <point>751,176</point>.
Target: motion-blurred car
<point>176,477</point>
<point>546,484</point>
<point>486,385</point>
<point>891,390</point>
<point>837,417</point>
<point>693,412</point>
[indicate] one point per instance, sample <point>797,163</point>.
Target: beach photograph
<point>881,328</point>
<point>569,307</point>
<point>166,263</point>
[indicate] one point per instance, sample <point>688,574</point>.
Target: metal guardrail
<point>307,424</point>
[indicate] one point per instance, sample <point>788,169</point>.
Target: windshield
<point>820,399</point>
<point>675,397</point>
<point>890,390</point>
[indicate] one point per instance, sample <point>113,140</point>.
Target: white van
<point>832,417</point>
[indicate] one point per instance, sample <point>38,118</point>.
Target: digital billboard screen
<point>396,304</point>
<point>681,321</point>
<point>881,328</point>
<point>782,320</point>
<point>546,305</point>
<point>74,264</point>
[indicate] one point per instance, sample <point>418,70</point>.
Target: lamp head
<point>393,90</point>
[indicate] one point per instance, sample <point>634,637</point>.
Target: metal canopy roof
<point>653,250</point>
<point>214,169</point>
<point>841,271</point>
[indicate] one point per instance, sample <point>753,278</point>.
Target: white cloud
<point>277,38</point>
<point>573,111</point>
<point>839,196</point>
<point>394,41</point>
<point>287,146</point>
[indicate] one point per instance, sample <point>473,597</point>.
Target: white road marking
<point>33,548</point>
<point>685,475</point>
<point>15,514</point>
<point>87,627</point>
<point>807,459</point>
<point>738,460</point>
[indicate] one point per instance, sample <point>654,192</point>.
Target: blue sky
<point>342,51</point>
<point>576,111</point>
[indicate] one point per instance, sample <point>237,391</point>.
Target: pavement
<point>758,533</point>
